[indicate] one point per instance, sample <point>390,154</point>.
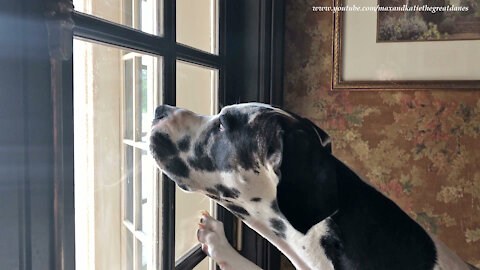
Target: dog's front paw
<point>216,246</point>
<point>214,242</point>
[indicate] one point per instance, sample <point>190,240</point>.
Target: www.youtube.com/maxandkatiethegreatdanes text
<point>408,8</point>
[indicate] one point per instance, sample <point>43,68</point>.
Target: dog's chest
<point>305,251</point>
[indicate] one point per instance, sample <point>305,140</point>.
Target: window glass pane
<point>129,183</point>
<point>128,250</point>
<point>128,86</point>
<point>143,256</point>
<point>148,79</point>
<point>196,91</point>
<point>197,24</point>
<point>196,88</point>
<point>114,187</point>
<point>147,175</point>
<point>144,15</point>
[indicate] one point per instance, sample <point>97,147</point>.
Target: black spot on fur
<point>243,137</point>
<point>238,210</point>
<point>274,206</point>
<point>212,191</point>
<point>177,167</point>
<point>234,119</point>
<point>213,197</point>
<point>162,146</point>
<point>184,144</point>
<point>280,235</point>
<point>277,224</point>
<point>222,153</point>
<point>183,186</point>
<point>199,148</point>
<point>203,163</point>
<point>278,227</point>
<point>334,249</point>
<point>256,199</point>
<point>200,161</point>
<point>227,192</point>
<point>256,172</point>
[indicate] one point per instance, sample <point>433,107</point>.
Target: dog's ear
<point>325,140</point>
<point>307,190</point>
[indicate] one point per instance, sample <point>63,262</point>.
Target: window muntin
<point>128,183</point>
<point>147,178</point>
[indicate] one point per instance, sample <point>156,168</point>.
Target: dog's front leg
<point>216,246</point>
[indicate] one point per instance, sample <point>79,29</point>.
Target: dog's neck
<point>258,198</point>
<point>257,194</point>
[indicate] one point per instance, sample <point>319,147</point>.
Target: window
<point>111,158</point>
<point>197,24</point>
<point>141,90</point>
<point>129,57</point>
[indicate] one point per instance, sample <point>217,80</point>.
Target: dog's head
<point>248,153</point>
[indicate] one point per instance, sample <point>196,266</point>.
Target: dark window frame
<point>38,83</point>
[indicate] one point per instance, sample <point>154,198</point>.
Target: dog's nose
<point>163,111</point>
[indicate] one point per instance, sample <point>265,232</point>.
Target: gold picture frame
<point>339,83</point>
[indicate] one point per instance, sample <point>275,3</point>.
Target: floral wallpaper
<point>420,148</point>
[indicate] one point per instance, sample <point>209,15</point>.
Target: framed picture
<point>363,58</point>
<point>459,21</point>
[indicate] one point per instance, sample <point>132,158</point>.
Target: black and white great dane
<point>275,171</point>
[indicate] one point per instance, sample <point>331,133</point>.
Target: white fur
<point>447,259</point>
